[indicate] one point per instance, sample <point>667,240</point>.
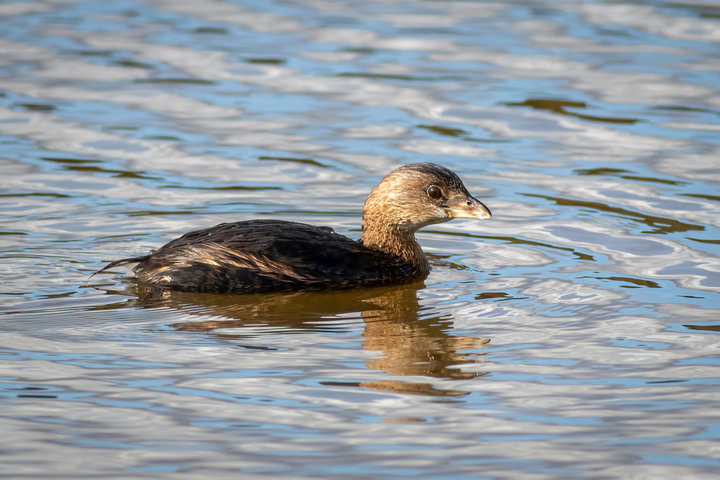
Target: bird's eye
<point>434,191</point>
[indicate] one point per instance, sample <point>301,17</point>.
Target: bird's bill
<point>467,207</point>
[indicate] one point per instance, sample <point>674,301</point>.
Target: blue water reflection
<point>573,335</point>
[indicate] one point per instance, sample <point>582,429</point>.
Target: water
<point>574,335</point>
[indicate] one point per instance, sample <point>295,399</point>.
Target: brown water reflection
<point>561,106</point>
<point>413,340</point>
<point>659,225</point>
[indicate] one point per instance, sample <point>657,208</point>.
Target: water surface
<point>574,335</point>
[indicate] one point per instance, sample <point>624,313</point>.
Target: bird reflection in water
<point>413,340</point>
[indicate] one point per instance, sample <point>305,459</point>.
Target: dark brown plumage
<point>274,255</point>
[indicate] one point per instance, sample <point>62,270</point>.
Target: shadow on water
<point>414,340</point>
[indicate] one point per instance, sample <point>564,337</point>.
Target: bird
<point>259,256</point>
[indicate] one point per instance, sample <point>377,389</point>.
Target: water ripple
<point>573,335</point>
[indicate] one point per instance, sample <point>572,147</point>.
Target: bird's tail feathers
<point>122,261</point>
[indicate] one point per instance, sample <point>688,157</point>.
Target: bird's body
<point>273,255</point>
<point>269,255</point>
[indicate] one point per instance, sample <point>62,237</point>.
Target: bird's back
<point>269,255</point>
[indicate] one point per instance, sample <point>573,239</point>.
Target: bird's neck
<point>394,241</point>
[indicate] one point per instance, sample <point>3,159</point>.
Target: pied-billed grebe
<point>273,255</point>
